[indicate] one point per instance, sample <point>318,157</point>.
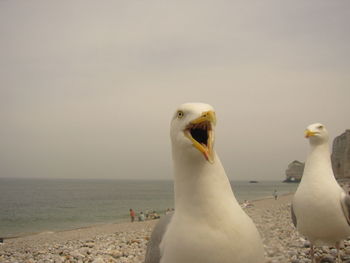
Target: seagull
<point>208,225</point>
<point>320,207</point>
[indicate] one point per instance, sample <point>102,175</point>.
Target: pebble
<point>327,259</point>
<point>119,247</point>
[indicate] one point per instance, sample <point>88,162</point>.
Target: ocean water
<point>38,205</point>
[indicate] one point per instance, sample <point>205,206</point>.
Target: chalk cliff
<point>341,155</point>
<point>294,172</point>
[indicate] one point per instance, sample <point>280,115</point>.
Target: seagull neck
<point>318,164</point>
<point>201,188</point>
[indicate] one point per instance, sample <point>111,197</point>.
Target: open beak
<point>200,132</point>
<point>309,133</point>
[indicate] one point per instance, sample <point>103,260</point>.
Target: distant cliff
<point>341,155</point>
<point>294,172</point>
<point>340,160</point>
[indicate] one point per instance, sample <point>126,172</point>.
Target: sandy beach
<point>126,242</point>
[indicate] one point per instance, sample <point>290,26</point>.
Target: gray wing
<point>153,251</point>
<point>345,204</point>
<point>294,218</point>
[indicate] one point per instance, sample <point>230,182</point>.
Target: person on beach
<point>275,195</point>
<point>132,215</point>
<point>141,216</point>
<point>154,215</point>
<point>246,204</point>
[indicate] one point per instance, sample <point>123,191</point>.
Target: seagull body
<point>320,206</point>
<point>208,224</point>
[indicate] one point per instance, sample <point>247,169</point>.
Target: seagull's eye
<point>320,127</point>
<point>180,114</point>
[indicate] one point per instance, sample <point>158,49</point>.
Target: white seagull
<point>208,225</point>
<point>320,207</point>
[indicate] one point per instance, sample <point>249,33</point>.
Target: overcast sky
<point>88,88</point>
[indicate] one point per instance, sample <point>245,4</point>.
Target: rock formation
<point>294,171</point>
<point>341,155</point>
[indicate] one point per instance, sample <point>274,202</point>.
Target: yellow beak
<point>205,121</point>
<point>206,116</point>
<point>309,133</point>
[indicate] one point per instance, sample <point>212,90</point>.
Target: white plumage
<point>208,225</point>
<point>320,205</point>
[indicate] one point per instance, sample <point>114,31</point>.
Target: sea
<point>30,206</point>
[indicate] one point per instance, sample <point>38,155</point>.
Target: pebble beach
<point>127,242</point>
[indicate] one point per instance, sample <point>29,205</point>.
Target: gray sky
<point>87,88</point>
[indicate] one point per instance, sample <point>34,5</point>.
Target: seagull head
<point>316,133</point>
<point>192,131</point>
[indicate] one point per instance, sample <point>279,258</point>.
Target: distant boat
<point>253,182</point>
<point>291,180</point>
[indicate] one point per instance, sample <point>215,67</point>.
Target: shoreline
<point>97,225</point>
<point>127,242</point>
<point>111,224</point>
